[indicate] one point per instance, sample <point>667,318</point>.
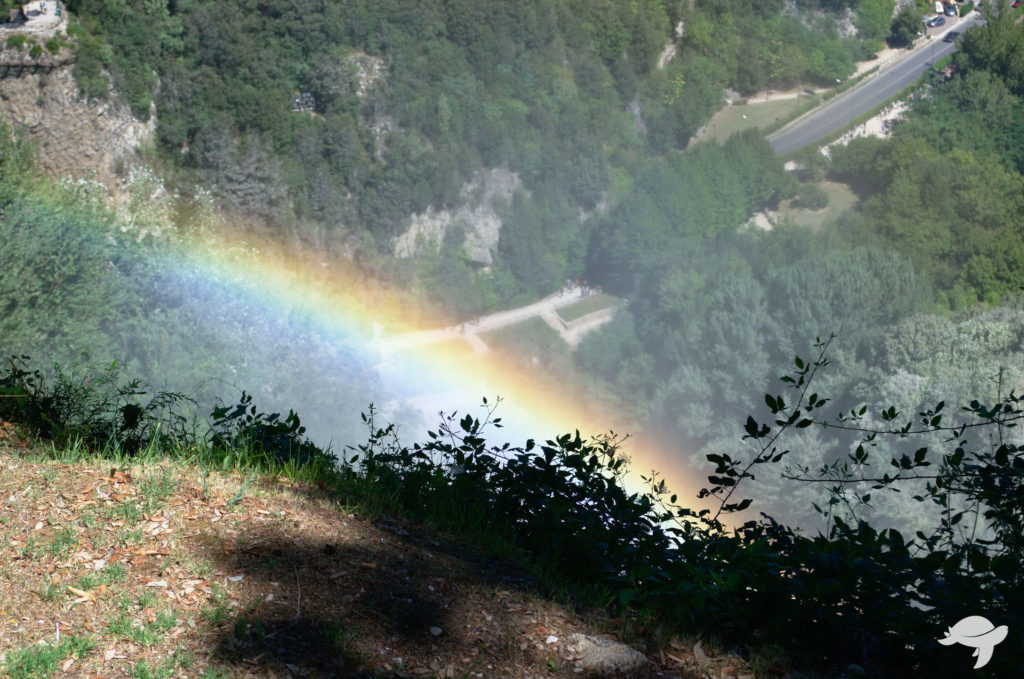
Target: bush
<point>812,197</point>
<point>16,41</point>
<point>53,45</point>
<point>35,52</point>
<point>869,595</point>
<point>90,407</point>
<point>264,438</point>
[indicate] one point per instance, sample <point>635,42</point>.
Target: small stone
<point>435,631</point>
<point>600,654</point>
<point>552,639</point>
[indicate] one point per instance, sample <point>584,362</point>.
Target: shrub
<point>53,45</point>
<point>265,438</point>
<point>869,595</point>
<point>91,407</point>
<point>812,197</point>
<point>35,52</point>
<point>16,41</point>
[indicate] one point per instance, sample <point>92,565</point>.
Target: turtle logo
<point>978,633</point>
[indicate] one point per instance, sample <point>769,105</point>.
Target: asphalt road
<point>869,94</point>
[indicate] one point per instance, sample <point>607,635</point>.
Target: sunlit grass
<point>840,199</point>
<point>588,305</point>
<point>762,115</point>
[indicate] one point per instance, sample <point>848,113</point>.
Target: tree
<point>874,18</point>
<point>906,26</point>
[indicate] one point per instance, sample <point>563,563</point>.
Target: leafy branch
<point>730,472</point>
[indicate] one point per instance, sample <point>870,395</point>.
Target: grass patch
<point>113,573</point>
<point>157,487</point>
<point>531,339</point>
<point>63,541</point>
<point>840,199</point>
<point>594,302</point>
<point>762,115</point>
<point>148,633</point>
<point>42,660</point>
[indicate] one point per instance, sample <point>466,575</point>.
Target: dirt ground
<point>167,571</point>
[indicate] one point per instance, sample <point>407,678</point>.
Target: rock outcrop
<point>75,136</point>
<point>478,215</point>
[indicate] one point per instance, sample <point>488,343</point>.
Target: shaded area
<point>383,600</point>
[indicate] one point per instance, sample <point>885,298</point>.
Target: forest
<point>919,283</point>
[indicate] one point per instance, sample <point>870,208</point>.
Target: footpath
<point>470,331</point>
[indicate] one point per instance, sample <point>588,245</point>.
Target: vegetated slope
<point>936,233</point>
<point>413,99</point>
<point>80,287</point>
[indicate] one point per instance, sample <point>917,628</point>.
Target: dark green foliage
<point>414,98</point>
<point>997,46</point>
<point>857,594</point>
<point>563,502</point>
<point>92,57</point>
<point>102,413</point>
<point>812,197</point>
<point>874,18</point>
<point>242,428</point>
<point>93,408</point>
<point>906,26</point>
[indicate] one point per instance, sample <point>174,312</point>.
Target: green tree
<point>874,18</point>
<point>906,26</point>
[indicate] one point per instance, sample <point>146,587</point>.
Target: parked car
<point>950,9</point>
<point>936,21</point>
<point>951,36</point>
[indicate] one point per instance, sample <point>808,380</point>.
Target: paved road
<point>869,94</point>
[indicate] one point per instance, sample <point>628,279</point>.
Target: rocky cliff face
<point>75,137</point>
<point>478,215</point>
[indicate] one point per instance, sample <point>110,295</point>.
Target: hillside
<point>458,158</point>
<point>157,569</point>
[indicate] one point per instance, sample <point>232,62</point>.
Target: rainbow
<point>338,302</point>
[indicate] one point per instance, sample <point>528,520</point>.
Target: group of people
<point>584,288</point>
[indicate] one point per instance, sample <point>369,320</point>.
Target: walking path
<point>470,332</point>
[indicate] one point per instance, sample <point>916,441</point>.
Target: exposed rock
<point>845,26</point>
<point>74,136</point>
<point>369,70</point>
<point>477,215</point>
<point>590,653</point>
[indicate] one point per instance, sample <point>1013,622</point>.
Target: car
<point>951,36</point>
<point>1017,3</point>
<point>936,21</point>
<point>950,9</point>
